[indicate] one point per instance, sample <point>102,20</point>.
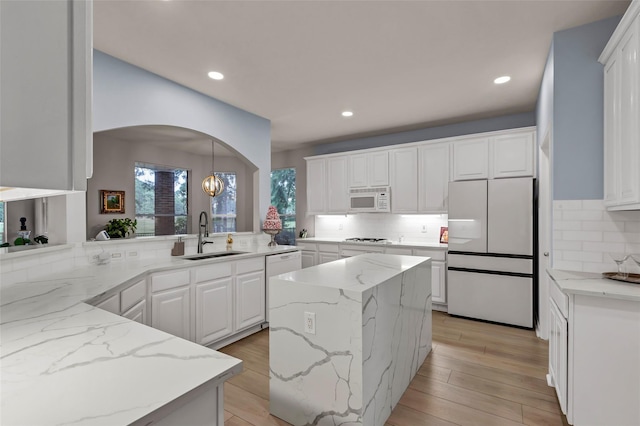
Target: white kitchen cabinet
<point>337,191</point>
<point>433,178</point>
<point>369,169</point>
<point>214,310</point>
<point>327,252</point>
<point>438,273</point>
<point>622,113</point>
<point>137,312</point>
<point>250,299</point>
<point>558,346</point>
<point>308,252</point>
<point>405,251</point>
<point>110,304</point>
<point>471,159</point>
<point>316,186</point>
<point>512,155</point>
<point>171,311</point>
<point>404,180</point>
<point>350,250</point>
<point>46,80</point>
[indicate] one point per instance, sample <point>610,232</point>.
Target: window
<point>283,196</point>
<point>161,200</point>
<point>223,207</point>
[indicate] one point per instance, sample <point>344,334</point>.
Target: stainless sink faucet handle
<point>203,224</point>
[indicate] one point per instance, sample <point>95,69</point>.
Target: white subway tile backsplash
<point>601,232</point>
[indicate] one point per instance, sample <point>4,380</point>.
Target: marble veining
<point>373,331</point>
<point>593,284</point>
<point>65,362</point>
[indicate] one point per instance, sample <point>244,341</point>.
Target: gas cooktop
<point>367,240</point>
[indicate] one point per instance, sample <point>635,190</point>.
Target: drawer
<point>167,280</point>
<point>306,246</point>
<point>490,263</point>
<point>250,265</point>
<point>212,272</point>
<point>403,251</point>
<point>132,295</point>
<point>111,304</point>
<point>328,248</point>
<point>561,300</point>
<point>433,254</point>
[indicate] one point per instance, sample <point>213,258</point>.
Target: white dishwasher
<point>277,264</point>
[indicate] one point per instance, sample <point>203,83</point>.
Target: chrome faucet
<point>203,225</point>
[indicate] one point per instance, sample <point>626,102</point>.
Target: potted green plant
<point>119,228</point>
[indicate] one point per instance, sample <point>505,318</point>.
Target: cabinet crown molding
<point>627,20</point>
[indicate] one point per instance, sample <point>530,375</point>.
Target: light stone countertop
<point>404,244</point>
<point>356,274</point>
<point>593,284</point>
<point>66,362</point>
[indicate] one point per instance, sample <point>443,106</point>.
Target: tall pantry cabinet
<point>46,84</point>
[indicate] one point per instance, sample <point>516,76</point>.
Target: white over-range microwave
<point>370,199</point>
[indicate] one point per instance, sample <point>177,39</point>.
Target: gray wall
<point>512,121</point>
<point>114,162</point>
<point>125,95</point>
<point>577,111</point>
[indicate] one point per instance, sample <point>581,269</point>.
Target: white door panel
<point>510,217</point>
<point>468,216</point>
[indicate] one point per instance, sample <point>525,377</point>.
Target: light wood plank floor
<point>477,374</point>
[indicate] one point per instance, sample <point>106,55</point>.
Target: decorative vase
<point>273,233</point>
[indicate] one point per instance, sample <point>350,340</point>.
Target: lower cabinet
<point>250,300</point>
<point>438,273</point>
<point>317,253</point>
<point>214,310</point>
<point>137,313</point>
<point>558,345</point>
<point>171,311</point>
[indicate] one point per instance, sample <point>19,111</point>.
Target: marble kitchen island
<point>372,333</point>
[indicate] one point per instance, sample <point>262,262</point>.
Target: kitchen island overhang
<point>372,333</point>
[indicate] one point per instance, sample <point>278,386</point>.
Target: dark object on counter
<point>178,248</point>
<point>41,239</point>
<point>23,223</point>
<point>5,245</point>
<point>303,233</point>
<point>630,278</point>
<point>22,241</point>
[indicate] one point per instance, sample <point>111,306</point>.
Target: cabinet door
<point>558,345</point>
<point>324,257</point>
<point>138,313</point>
<point>629,178</point>
<point>52,106</point>
<point>358,177</point>
<point>471,159</point>
<point>250,300</point>
<point>438,282</point>
<point>378,164</point>
<point>433,182</point>
<point>611,140</point>
<point>337,190</point>
<point>404,180</point>
<point>112,304</point>
<point>316,186</point>
<point>308,258</point>
<point>171,312</point>
<point>214,304</point>
<point>512,155</point>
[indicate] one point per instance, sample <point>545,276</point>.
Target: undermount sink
<point>214,255</point>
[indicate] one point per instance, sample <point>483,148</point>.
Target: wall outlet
<point>310,322</point>
<point>424,228</point>
<point>340,227</point>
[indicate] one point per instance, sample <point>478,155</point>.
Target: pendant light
<point>212,185</point>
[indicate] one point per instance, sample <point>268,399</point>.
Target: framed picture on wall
<point>111,201</point>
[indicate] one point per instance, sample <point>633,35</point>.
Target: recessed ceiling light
<point>215,75</point>
<point>502,80</point>
<point>347,113</point>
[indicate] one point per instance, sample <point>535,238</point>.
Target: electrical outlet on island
<point>310,322</point>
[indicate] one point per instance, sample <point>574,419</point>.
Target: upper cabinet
<point>622,113</point>
<point>46,84</point>
<point>471,159</point>
<point>369,169</point>
<point>404,180</point>
<point>327,190</point>
<point>504,155</point>
<point>433,178</point>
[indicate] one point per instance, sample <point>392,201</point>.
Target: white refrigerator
<point>491,267</point>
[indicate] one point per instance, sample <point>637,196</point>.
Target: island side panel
<point>315,379</point>
<point>396,319</point>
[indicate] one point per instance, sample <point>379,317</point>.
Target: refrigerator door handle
<point>484,271</point>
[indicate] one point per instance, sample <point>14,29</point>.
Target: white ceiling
<point>398,65</point>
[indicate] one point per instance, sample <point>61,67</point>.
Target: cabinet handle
<point>546,254</point>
